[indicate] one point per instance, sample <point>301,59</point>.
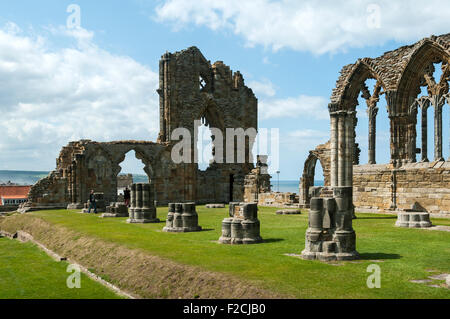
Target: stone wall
<point>278,199</point>
<point>257,181</point>
<point>124,180</point>
<point>382,187</point>
<point>9,208</point>
<point>49,192</point>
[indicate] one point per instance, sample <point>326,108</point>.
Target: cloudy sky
<point>59,84</point>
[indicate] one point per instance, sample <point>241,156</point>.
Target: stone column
<point>146,195</point>
<point>341,149</point>
<point>391,100</point>
<point>139,199</point>
<point>447,97</point>
<point>189,218</point>
<point>436,101</point>
<point>349,148</point>
<point>73,188</point>
<point>344,236</point>
<point>177,220</point>
<point>424,108</point>
<point>334,151</point>
<point>372,113</point>
<point>133,196</point>
<point>142,208</point>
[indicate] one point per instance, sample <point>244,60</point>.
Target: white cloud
<point>308,133</point>
<point>315,26</point>
<point>299,142</point>
<point>303,106</point>
<point>264,87</point>
<point>306,139</point>
<point>49,97</point>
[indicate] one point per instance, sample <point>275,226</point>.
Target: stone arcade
<point>404,182</point>
<point>190,89</point>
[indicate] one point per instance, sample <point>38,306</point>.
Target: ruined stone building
<point>411,178</point>
<point>190,89</point>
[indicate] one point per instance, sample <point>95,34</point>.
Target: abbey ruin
<point>191,88</point>
<point>405,183</point>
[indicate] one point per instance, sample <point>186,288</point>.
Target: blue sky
<point>92,83</point>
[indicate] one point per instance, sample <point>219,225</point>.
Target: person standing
<point>92,203</point>
<point>127,196</point>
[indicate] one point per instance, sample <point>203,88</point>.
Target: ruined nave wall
<point>382,187</point>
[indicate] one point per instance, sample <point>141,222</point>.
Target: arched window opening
<point>434,127</point>
<point>372,125</point>
<point>383,134</point>
<point>446,131</point>
<point>205,155</point>
<point>132,171</point>
<point>319,178</point>
<point>202,83</point>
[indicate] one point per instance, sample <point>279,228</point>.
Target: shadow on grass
<point>272,240</point>
<point>207,229</point>
<point>378,256</point>
<point>376,217</point>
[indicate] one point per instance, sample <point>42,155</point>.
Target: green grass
<point>405,254</point>
<point>26,272</point>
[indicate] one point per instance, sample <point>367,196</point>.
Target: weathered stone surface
<point>276,199</point>
<point>321,154</point>
<point>100,204</point>
<point>116,210</point>
<point>257,181</point>
<point>288,212</point>
<point>330,235</point>
<point>142,208</point>
<point>413,220</point>
<point>182,218</point>
<point>243,227</point>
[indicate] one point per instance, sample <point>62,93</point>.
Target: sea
<point>285,186</point>
<point>22,177</point>
<point>30,178</point>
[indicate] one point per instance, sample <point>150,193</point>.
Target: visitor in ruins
<point>92,203</point>
<point>127,196</point>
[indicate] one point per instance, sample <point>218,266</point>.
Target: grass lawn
<point>26,272</point>
<point>402,254</point>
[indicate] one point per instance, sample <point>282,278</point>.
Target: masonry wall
<point>278,199</point>
<point>382,187</point>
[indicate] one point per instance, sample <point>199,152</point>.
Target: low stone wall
<point>381,187</point>
<point>9,208</point>
<point>278,199</point>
